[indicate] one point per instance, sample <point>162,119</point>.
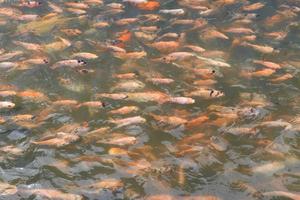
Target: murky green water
<point>136,100</point>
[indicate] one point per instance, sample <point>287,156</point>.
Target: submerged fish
<point>68,63</point>
<point>61,139</point>
<point>128,121</point>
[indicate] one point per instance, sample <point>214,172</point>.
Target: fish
<point>29,46</point>
<point>242,131</point>
<point>194,48</point>
<point>8,65</point>
<point>182,100</point>
<point>239,30</point>
<point>7,105</point>
<point>125,76</point>
<point>212,33</point>
<point>61,139</point>
<point>259,73</point>
<point>149,5</point>
<point>65,102</point>
<point>135,1</point>
<point>32,95</point>
<point>119,140</point>
<point>7,93</point>
<point>124,110</point>
<point>148,96</point>
<point>128,121</point>
<point>160,80</point>
<point>214,62</point>
<point>76,5</point>
<point>205,93</point>
<point>71,32</point>
<point>130,55</point>
<point>126,21</point>
<point>35,61</point>
<point>170,120</point>
<point>282,78</point>
<point>10,55</point>
<point>260,48</point>
<point>59,45</point>
<point>109,183</point>
<point>24,117</point>
<point>178,56</point>
<point>175,12</point>
<point>93,104</point>
<point>52,194</point>
<point>117,151</point>
<point>267,64</point>
<point>197,121</point>
<point>68,63</point>
<point>30,4</point>
<point>42,25</point>
<point>205,82</point>
<point>254,6</point>
<point>114,96</point>
<point>165,46</point>
<point>128,85</point>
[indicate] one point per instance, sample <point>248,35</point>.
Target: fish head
<point>7,104</point>
<point>81,62</point>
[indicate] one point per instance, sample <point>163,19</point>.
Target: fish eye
<point>212,91</point>
<point>78,61</point>
<point>40,3</point>
<point>213,71</point>
<point>45,61</point>
<point>103,104</point>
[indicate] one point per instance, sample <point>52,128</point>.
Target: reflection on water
<point>149,99</point>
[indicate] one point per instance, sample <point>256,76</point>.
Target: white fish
<point>6,104</point>
<point>85,55</point>
<point>136,1</point>
<point>172,11</point>
<point>213,62</point>
<point>10,55</point>
<point>69,63</point>
<point>182,100</point>
<point>128,121</point>
<point>7,65</point>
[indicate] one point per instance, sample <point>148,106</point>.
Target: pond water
<point>149,99</point>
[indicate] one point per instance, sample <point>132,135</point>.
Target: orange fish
<point>165,46</point>
<point>196,121</point>
<point>125,36</point>
<point>150,5</point>
<point>32,94</point>
<point>282,78</point>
